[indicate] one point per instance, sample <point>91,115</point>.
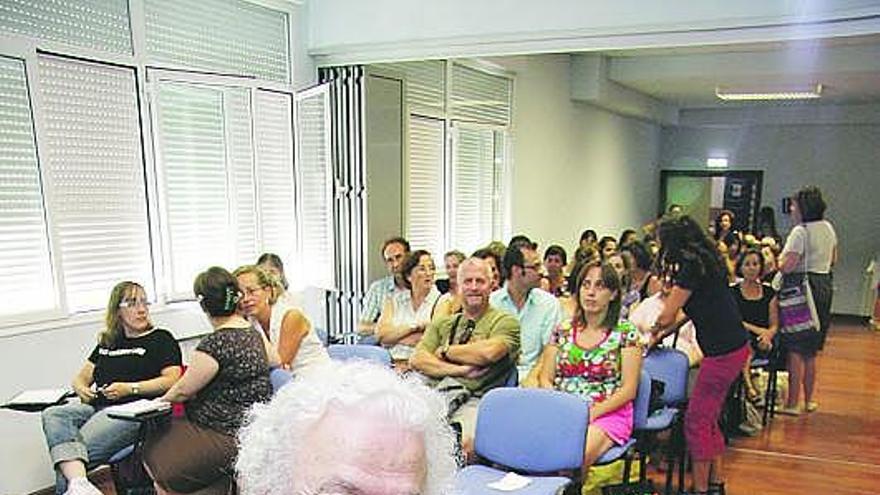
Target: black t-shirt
<point>713,311</point>
<point>755,311</point>
<point>134,360</point>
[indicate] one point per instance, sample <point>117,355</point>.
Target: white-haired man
<point>479,347</point>
<point>348,428</point>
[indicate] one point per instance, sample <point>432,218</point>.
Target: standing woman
<point>228,372</point>
<point>132,360</point>
<point>692,263</point>
<point>811,251</point>
<point>286,327</point>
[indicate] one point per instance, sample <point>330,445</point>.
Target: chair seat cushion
<point>661,419</point>
<point>614,453</point>
<point>473,480</point>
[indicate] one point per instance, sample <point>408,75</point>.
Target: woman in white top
<point>286,327</point>
<point>406,314</point>
<point>811,248</point>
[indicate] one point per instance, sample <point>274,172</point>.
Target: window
<point>315,186</point>
<point>95,177</point>
<point>104,179</point>
<point>455,199</point>
<point>24,244</point>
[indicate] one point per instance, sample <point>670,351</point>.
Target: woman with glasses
<point>406,314</point>
<point>286,327</point>
<point>132,360</point>
<point>228,373</point>
<point>598,358</point>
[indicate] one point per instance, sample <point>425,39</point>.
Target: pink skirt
<point>618,424</point>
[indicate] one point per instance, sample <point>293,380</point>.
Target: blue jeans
<point>79,431</point>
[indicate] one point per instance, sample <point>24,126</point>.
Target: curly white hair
<point>273,432</point>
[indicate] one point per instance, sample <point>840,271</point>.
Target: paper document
<point>138,407</point>
<point>510,482</point>
<point>45,396</point>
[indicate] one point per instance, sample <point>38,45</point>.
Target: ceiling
<point>848,69</point>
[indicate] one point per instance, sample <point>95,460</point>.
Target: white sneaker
<point>82,486</point>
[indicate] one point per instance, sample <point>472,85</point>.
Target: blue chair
<point>669,366</point>
<point>532,431</point>
<point>279,378</point>
<point>345,352</point>
<point>640,419</point>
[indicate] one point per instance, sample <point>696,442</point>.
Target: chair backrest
<point>279,378</point>
<point>643,401</point>
<point>670,366</point>
<point>534,430</point>
<point>345,352</point>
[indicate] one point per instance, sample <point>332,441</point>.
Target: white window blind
<point>98,24</point>
<point>425,187</point>
<point>24,247</point>
<point>425,85</point>
<point>95,172</point>
<point>499,187</point>
<point>477,96</point>
<point>473,187</point>
<point>240,153</point>
<point>192,162</point>
<point>274,164</point>
<point>232,37</point>
<point>315,181</point>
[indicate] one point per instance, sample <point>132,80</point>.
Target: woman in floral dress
<point>597,358</point>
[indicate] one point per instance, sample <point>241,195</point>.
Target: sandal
<point>812,406</point>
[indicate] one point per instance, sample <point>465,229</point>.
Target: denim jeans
<point>79,431</point>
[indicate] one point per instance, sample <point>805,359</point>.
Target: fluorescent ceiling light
<point>790,93</point>
<point>716,162</point>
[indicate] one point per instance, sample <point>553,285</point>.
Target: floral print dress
<point>592,374</point>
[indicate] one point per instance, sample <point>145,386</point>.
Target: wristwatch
<point>135,388</point>
<point>443,352</point>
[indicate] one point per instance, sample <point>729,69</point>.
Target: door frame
<point>757,175</point>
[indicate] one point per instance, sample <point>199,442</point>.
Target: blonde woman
<point>286,327</point>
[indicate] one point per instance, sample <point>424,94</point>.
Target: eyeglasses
<point>249,291</point>
<point>133,303</point>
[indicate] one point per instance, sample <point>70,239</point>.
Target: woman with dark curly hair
<point>810,251</point>
<point>698,277</point>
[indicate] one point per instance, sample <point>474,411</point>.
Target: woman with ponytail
<point>228,372</point>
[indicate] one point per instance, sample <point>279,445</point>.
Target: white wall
<point>575,166</point>
<point>833,147</point>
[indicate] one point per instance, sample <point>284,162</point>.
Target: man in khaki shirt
<point>479,347</point>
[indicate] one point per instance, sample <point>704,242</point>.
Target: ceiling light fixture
<point>791,93</point>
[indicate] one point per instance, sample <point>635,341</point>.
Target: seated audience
<point>724,231</point>
<point>272,264</point>
<point>598,358</point>
<point>479,346</point>
<point>406,314</point>
<point>759,309</point>
<point>588,238</point>
<point>451,260</point>
<point>286,327</point>
<point>494,261</point>
<point>132,360</point>
<point>394,250</point>
<point>537,310</point>
<point>228,372</point>
<point>348,428</point>
<point>555,260</point>
<point>450,302</point>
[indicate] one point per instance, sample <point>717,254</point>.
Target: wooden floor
<point>835,450</point>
